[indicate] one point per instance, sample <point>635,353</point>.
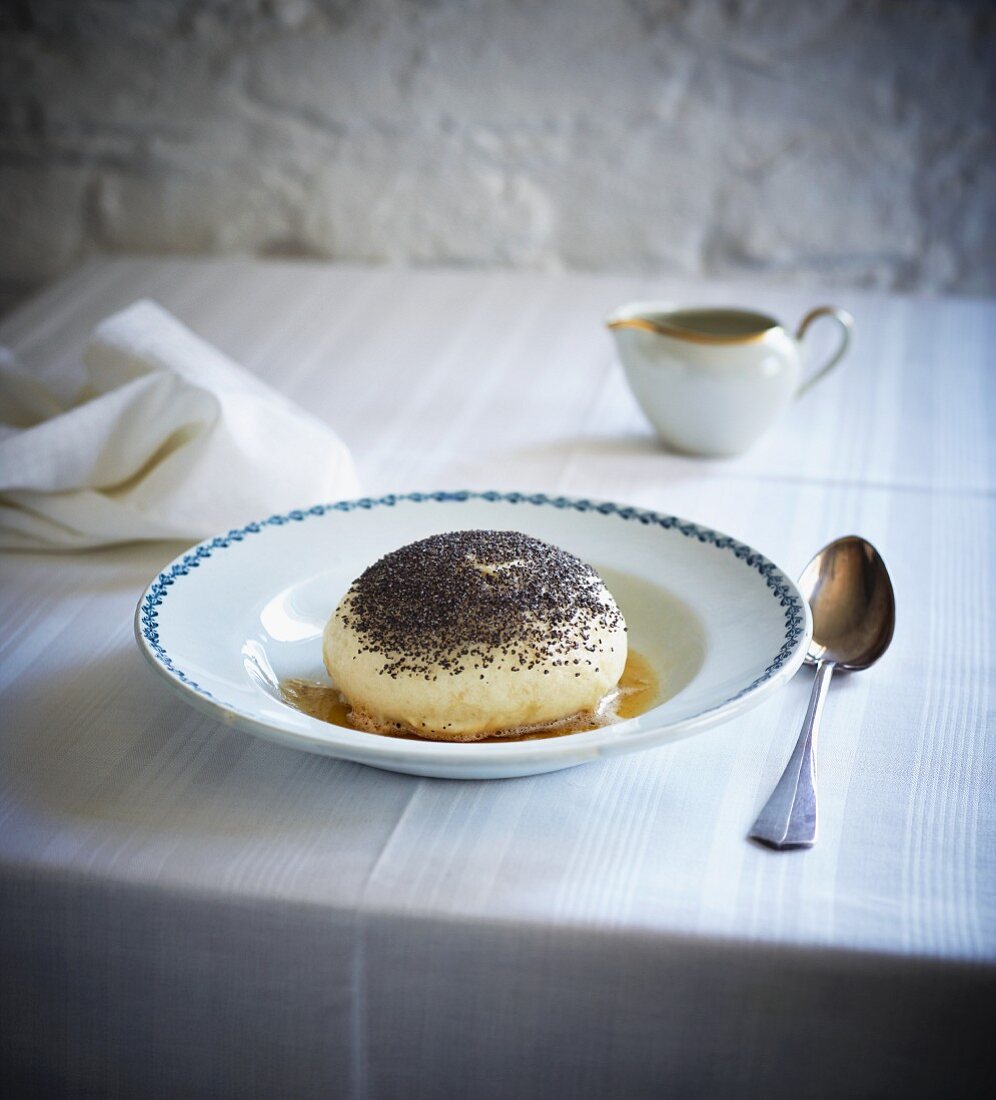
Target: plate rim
<point>784,665</point>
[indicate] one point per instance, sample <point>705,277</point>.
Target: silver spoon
<point>854,614</point>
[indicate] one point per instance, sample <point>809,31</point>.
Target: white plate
<point>722,626</point>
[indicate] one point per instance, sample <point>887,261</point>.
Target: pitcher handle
<point>846,322</point>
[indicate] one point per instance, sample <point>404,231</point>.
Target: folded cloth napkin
<point>169,439</point>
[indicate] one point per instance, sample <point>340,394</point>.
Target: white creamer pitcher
<point>711,380</point>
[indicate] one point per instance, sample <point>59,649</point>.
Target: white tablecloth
<point>187,910</point>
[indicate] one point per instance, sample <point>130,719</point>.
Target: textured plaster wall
<point>814,140</point>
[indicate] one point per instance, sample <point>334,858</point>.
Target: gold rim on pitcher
<point>764,325</point>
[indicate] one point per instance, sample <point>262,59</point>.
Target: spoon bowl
<point>853,605</point>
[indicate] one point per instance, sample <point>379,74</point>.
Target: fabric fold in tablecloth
<point>168,439</point>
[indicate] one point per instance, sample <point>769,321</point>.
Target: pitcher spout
<point>633,322</point>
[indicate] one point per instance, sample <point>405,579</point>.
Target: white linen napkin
<point>169,438</point>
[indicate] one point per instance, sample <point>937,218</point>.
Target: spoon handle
<point>788,819</point>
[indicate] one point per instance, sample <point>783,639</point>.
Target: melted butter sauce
<point>638,691</point>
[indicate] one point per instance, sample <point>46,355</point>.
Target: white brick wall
<point>811,140</point>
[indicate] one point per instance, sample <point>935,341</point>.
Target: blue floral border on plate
<point>795,617</point>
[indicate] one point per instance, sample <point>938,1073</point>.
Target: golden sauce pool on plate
<point>639,691</point>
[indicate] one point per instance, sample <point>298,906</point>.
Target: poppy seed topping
<point>459,600</point>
